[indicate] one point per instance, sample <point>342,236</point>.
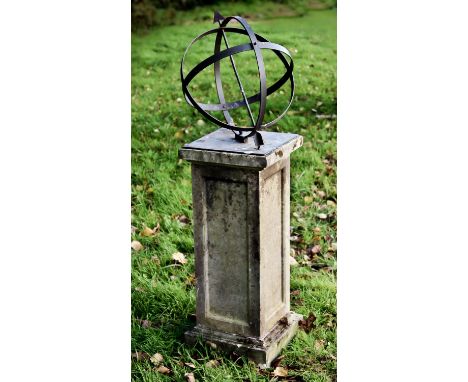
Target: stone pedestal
<point>241,228</point>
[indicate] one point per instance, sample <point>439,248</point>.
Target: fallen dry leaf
<point>156,359</point>
<point>212,363</point>
<point>296,239</point>
<point>211,344</point>
<point>317,229</point>
<point>136,245</point>
<point>145,323</point>
<point>318,345</point>
<point>292,261</point>
<point>191,280</point>
<point>321,193</point>
<point>284,321</point>
<point>183,220</point>
<point>277,361</point>
<point>308,199</point>
<point>179,257</point>
<point>308,324</point>
<point>315,249</point>
<point>329,255</point>
<point>155,260</point>
<point>191,365</point>
<point>322,216</point>
<point>134,229</point>
<point>146,231</point>
<point>280,372</point>
<point>140,355</point>
<point>296,292</point>
<point>318,266</point>
<point>190,377</point>
<point>179,134</point>
<point>298,302</point>
<point>163,370</point>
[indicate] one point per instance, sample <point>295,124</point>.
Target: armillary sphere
<point>257,43</point>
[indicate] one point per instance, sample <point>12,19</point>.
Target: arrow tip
<point>217,17</point>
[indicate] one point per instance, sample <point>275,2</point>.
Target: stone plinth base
<point>241,234</point>
<point>260,350</point>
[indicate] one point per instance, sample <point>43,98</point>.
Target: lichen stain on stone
<point>209,194</point>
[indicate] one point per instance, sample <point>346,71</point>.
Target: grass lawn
<point>163,290</point>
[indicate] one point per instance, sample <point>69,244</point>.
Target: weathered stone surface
<point>228,272</point>
<point>274,245</point>
<point>260,350</point>
<point>241,229</point>
<point>219,147</point>
<point>225,214</point>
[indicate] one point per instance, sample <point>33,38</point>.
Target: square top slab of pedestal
<point>220,147</point>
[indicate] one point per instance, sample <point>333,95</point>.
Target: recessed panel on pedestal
<point>227,261</point>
